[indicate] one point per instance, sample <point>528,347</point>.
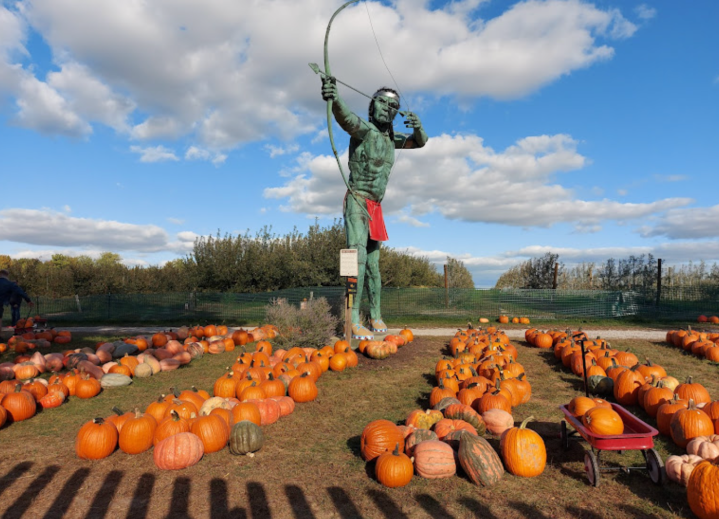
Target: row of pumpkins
<point>701,344</point>
<point>380,350</point>
<point>505,319</point>
<point>475,392</point>
<point>258,389</point>
<point>29,341</point>
<point>683,411</point>
<point>83,373</point>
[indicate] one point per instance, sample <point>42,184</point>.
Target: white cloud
<point>154,153</point>
<point>90,98</point>
<point>645,12</point>
<point>176,221</point>
<point>195,153</point>
<point>687,223</point>
<point>622,192</point>
<point>411,220</point>
<point>50,228</point>
<point>461,178</point>
<point>67,208</point>
<point>276,151</point>
<point>218,72</point>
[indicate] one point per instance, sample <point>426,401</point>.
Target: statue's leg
<point>357,232</point>
<point>374,287</point>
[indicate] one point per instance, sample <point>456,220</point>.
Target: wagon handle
<point>584,365</point>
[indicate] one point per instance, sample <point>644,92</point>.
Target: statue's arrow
<point>317,70</point>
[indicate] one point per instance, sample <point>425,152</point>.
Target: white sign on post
<point>348,262</point>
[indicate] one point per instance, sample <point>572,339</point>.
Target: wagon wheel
<point>655,466</point>
<point>564,435</point>
<point>591,467</point>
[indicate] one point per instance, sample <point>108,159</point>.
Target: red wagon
<point>637,436</point>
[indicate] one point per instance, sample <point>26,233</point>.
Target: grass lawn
<point>310,466</point>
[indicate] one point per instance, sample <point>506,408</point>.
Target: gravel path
<point>605,333</point>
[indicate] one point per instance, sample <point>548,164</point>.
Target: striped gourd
<point>479,460</point>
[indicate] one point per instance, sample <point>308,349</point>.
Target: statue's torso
<point>370,163</point>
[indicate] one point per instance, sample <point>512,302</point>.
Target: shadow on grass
<point>480,510</point>
<point>141,498</point>
<point>354,445</point>
<point>300,507</point>
<point>67,494</point>
<point>575,511</point>
<point>219,502</point>
<point>180,499</point>
<point>528,510</point>
<point>37,485</point>
<point>103,498</point>
<point>386,505</point>
<point>13,475</point>
<point>433,507</point>
<point>343,503</point>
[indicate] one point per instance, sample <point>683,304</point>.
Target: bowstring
<point>396,85</point>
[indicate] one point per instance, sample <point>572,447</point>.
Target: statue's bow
<point>328,72</point>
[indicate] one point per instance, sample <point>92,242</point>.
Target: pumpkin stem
<point>117,410</point>
<point>395,452</point>
<point>98,421</point>
<point>525,422</point>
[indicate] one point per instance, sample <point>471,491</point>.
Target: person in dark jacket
<point>11,294</point>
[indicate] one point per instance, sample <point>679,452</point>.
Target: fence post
<point>659,281</point>
<point>446,288</point>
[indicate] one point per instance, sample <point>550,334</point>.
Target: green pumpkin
<point>479,460</point>
<point>599,385</point>
<point>466,413</point>
<point>115,380</point>
<point>245,437</point>
<point>445,402</point>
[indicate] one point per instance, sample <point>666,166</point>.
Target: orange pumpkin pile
<point>682,410</point>
<point>257,390</point>
<point>702,344</point>
<point>477,387</point>
<point>379,350</point>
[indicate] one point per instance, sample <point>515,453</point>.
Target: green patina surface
<point>371,157</point>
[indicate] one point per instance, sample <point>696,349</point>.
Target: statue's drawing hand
<point>329,89</point>
<point>412,121</point>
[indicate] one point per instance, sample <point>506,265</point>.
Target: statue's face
<point>385,109</point>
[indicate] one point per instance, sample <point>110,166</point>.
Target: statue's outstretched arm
<point>346,118</point>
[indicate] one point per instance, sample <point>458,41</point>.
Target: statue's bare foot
<point>378,325</point>
<point>361,332</point>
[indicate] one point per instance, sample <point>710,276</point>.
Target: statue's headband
<point>386,93</point>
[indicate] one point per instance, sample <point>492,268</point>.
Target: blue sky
<point>590,129</point>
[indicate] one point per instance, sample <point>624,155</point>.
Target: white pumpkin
<point>679,468</point>
<point>706,447</point>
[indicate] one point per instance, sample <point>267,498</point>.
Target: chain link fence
<point>675,303</point>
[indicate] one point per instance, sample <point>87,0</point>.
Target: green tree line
<point>245,263</point>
